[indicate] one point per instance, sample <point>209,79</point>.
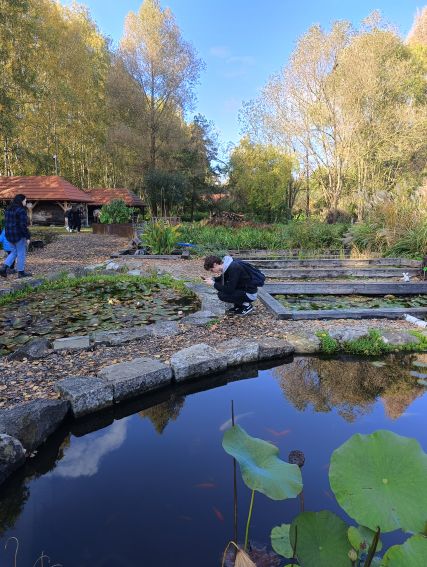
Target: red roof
<point>101,196</point>
<point>41,188</point>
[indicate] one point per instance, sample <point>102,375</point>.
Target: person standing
<point>18,235</point>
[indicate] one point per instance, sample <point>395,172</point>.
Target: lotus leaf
<point>361,538</point>
<point>321,540</point>
<point>413,553</point>
<point>280,541</point>
<point>380,480</point>
<point>261,469</point>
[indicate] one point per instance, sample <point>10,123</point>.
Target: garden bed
<point>300,297</point>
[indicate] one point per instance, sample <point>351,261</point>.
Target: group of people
<point>73,219</point>
<point>15,238</point>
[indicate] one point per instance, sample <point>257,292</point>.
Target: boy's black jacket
<point>234,277</point>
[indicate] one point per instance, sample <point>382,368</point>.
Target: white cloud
<point>85,454</point>
<point>220,51</point>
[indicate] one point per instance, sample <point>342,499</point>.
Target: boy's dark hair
<point>210,261</point>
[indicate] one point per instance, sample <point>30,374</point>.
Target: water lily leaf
<point>261,469</point>
<point>280,541</point>
<point>413,553</point>
<point>380,480</point>
<point>321,540</point>
<point>361,538</point>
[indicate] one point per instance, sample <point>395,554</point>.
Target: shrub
<point>116,212</point>
<point>160,237</point>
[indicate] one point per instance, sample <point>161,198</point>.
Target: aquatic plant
<point>161,237</point>
<point>387,493</point>
<point>261,469</point>
<point>78,305</point>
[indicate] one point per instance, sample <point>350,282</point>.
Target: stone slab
<point>121,336</point>
<point>348,334</point>
<point>303,343</point>
<point>78,342</point>
<point>12,456</point>
<point>33,422</point>
<point>399,338</point>
<point>272,347</point>
<point>199,318</point>
<point>239,351</point>
<point>85,394</point>
<point>130,379</point>
<point>197,360</point>
<point>38,348</point>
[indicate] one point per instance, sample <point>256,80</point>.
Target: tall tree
<point>261,180</point>
<point>17,77</point>
<point>163,64</point>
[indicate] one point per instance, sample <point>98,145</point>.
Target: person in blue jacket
<point>7,247</point>
<point>18,235</point>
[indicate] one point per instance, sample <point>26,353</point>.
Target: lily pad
<point>261,469</point>
<point>413,553</point>
<point>321,540</point>
<point>380,480</point>
<point>361,538</point>
<point>280,541</point>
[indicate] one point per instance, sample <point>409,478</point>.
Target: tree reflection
<point>161,414</point>
<point>350,386</point>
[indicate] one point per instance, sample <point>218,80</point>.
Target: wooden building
<point>48,197</point>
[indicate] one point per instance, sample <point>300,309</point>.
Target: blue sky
<point>243,42</point>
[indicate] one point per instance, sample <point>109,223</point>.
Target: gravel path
<point>69,251</point>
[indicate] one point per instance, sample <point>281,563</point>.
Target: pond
<point>151,485</point>
<point>323,302</point>
<point>90,304</point>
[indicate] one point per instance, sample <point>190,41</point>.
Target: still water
<point>149,484</point>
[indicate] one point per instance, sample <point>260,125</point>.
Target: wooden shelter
<point>48,197</point>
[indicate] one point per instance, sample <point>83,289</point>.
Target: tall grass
<point>308,235</point>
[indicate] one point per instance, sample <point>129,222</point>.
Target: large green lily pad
<point>260,466</point>
<point>413,553</point>
<point>280,541</point>
<point>321,540</point>
<point>381,480</point>
<point>361,538</point>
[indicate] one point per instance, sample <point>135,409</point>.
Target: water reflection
<point>350,386</point>
<point>163,456</point>
<point>161,414</point>
<point>83,459</point>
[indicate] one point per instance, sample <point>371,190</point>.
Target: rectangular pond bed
<point>302,295</point>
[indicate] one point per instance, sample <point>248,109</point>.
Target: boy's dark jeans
<point>238,297</point>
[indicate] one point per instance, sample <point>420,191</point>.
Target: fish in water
<point>229,422</point>
<point>278,433</point>
<point>218,514</point>
<point>205,485</point>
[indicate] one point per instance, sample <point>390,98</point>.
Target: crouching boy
<point>236,282</point>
